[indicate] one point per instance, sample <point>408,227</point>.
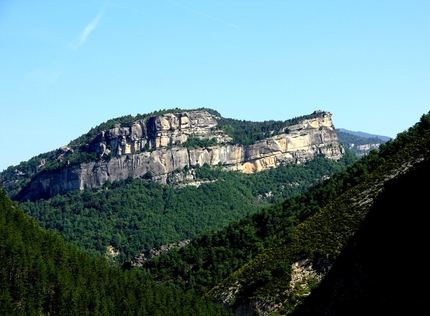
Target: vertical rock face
<point>157,132</point>
<point>154,146</point>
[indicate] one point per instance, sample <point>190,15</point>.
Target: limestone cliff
<point>155,146</point>
<point>158,132</point>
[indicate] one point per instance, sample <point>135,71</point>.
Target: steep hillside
<point>215,255</point>
<point>280,277</point>
<point>41,275</point>
<point>375,273</point>
<point>343,247</point>
<point>272,259</point>
<point>135,215</point>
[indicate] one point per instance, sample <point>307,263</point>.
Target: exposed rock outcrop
<point>149,254</point>
<point>157,132</point>
<point>154,146</point>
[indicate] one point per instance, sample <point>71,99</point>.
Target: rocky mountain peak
<point>155,146</point>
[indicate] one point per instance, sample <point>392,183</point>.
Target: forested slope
<point>215,255</point>
<point>138,214</point>
<point>267,262</point>
<point>281,276</point>
<point>42,275</point>
<point>261,249</point>
<point>135,214</point>
<point>379,271</point>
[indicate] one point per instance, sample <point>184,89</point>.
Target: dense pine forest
<point>337,226</point>
<point>262,246</point>
<point>135,215</point>
<point>138,214</point>
<point>40,274</point>
<point>215,255</point>
<point>373,275</point>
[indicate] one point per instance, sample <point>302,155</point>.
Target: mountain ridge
<point>322,237</point>
<point>266,263</point>
<point>156,146</point>
<point>359,145</point>
<point>135,214</point>
<point>263,282</point>
<point>365,135</point>
<point>354,204</point>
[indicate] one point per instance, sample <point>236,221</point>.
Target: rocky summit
<point>156,147</point>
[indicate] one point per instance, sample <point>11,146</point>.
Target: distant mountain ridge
<point>359,145</point>
<point>365,135</point>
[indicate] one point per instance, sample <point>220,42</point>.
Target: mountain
<point>157,146</point>
<point>42,275</point>
<point>270,261</point>
<point>345,246</point>
<point>373,272</point>
<point>365,135</point>
<point>169,176</point>
<point>360,143</point>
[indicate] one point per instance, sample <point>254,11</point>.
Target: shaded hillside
<point>41,275</point>
<point>280,277</point>
<point>215,255</point>
<point>377,272</point>
<point>265,257</point>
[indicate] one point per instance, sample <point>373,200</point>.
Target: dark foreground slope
<point>41,275</point>
<point>280,278</point>
<point>382,270</point>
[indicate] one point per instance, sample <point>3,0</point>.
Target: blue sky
<point>67,66</point>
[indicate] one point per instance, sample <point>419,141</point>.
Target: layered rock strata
<point>154,146</point>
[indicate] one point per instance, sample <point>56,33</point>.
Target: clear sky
<point>67,66</point>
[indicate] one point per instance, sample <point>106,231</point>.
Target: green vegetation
<point>248,132</point>
<point>195,142</point>
<point>317,224</point>
<point>327,232</point>
<point>374,272</point>
<point>41,275</point>
<point>215,255</point>
<point>248,259</point>
<point>134,215</point>
<point>352,142</point>
<point>17,177</point>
